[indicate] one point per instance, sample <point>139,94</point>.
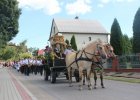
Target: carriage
<point>54,67</point>
<point>89,58</point>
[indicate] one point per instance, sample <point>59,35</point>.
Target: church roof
<point>79,26</point>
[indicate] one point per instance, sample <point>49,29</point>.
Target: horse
<point>97,65</point>
<point>110,55</point>
<point>82,60</point>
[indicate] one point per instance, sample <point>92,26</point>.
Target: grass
<point>131,80</point>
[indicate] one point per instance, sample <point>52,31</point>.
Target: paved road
<point>44,90</point>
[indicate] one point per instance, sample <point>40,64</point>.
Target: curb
<point>123,76</point>
<point>23,91</point>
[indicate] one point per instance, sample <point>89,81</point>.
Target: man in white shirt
<point>68,50</point>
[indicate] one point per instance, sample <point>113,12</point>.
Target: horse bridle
<point>110,51</point>
<point>87,58</point>
<point>94,54</point>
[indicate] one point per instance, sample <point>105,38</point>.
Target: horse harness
<point>98,63</point>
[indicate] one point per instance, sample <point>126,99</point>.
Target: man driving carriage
<point>68,50</point>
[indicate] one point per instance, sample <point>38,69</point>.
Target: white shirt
<point>67,51</point>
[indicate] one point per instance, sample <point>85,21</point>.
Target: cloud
<point>100,5</point>
<point>50,7</point>
<point>125,0</point>
<point>105,2</point>
<point>79,7</point>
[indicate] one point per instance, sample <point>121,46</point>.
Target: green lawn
<point>131,80</point>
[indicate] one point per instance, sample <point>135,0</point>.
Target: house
<point>83,30</point>
<point>40,52</point>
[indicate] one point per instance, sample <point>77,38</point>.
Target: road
<point>44,90</point>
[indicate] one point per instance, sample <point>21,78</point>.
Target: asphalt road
<point>44,90</point>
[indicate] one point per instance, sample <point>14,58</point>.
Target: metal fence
<point>126,62</point>
<point>109,63</point>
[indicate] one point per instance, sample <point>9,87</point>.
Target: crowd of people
<point>26,65</point>
<point>36,65</point>
<point>29,65</point>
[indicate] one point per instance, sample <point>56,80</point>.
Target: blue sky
<point>36,18</point>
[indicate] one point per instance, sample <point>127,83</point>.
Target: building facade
<point>83,30</point>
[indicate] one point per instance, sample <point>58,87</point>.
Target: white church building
<point>83,30</point>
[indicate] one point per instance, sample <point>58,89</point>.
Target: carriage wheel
<point>77,78</point>
<point>53,77</point>
<point>67,77</point>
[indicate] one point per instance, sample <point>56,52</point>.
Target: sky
<point>37,15</point>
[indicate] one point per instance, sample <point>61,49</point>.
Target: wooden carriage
<point>56,67</point>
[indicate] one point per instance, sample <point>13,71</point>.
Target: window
<point>89,38</point>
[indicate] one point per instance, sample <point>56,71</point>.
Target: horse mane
<point>96,42</point>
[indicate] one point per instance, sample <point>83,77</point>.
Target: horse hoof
<point>103,87</point>
<point>80,89</point>
<point>90,88</point>
<point>95,87</point>
<point>70,85</point>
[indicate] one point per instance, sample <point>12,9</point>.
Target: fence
<point>124,63</point>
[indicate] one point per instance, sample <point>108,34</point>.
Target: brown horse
<point>82,60</point>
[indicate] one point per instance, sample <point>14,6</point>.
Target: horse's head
<point>109,51</point>
<point>100,51</point>
<point>95,49</point>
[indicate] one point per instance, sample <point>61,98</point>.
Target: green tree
<point>35,52</point>
<point>127,45</point>
<point>22,47</point>
<point>131,40</point>
<point>67,41</point>
<point>25,55</point>
<point>14,50</point>
<point>136,32</point>
<point>116,38</point>
<point>8,53</point>
<point>9,16</point>
<point>73,43</point>
<point>30,49</point>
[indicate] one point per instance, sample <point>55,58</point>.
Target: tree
<point>127,45</point>
<point>73,43</point>
<point>67,41</point>
<point>136,32</point>
<point>25,55</point>
<point>8,53</point>
<point>131,40</point>
<point>30,49</point>
<point>9,16</point>
<point>23,47</point>
<point>35,52</point>
<point>116,38</point>
<point>12,51</point>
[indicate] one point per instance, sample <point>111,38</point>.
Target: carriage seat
<point>59,62</point>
